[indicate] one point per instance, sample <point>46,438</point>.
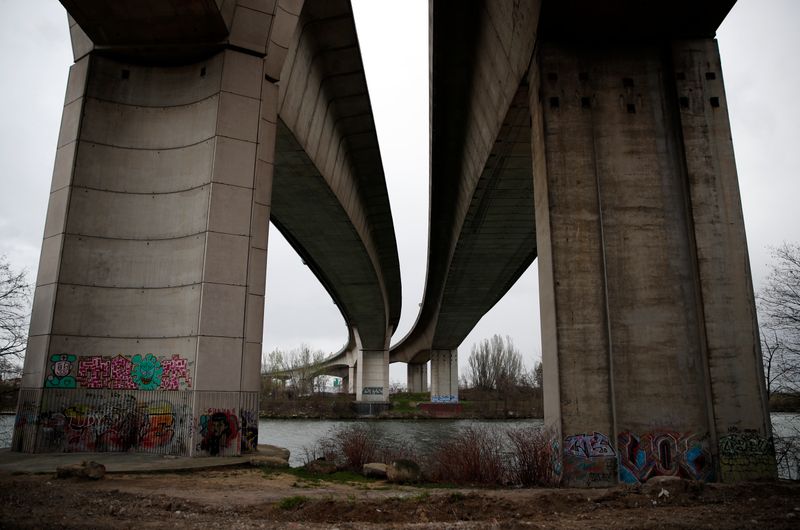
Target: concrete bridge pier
<point>417,380</point>
<point>444,376</point>
<point>650,343</point>
<point>149,298</point>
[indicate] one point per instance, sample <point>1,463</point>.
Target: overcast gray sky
<point>759,45</point>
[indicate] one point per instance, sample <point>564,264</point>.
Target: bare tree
<point>779,316</point>
<point>15,293</point>
<point>495,364</point>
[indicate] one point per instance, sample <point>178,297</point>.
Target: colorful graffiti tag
<point>249,423</point>
<point>60,369</point>
<point>116,423</point>
<point>588,445</point>
<point>589,460</point>
<point>219,430</point>
<point>119,372</point>
<point>746,455</point>
<point>663,453</point>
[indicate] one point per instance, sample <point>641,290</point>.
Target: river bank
<point>524,403</point>
<point>262,498</point>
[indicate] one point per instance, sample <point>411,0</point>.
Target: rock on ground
<point>374,470</point>
<point>85,470</point>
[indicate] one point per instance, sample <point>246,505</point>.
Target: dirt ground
<point>254,498</point>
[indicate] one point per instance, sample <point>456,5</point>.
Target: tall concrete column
<point>444,376</point>
<point>149,299</point>
<point>351,379</point>
<point>417,380</point>
<point>372,376</point>
<point>650,345</point>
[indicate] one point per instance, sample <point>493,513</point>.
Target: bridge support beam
<point>417,377</point>
<point>372,376</point>
<point>149,301</point>
<point>444,376</point>
<point>650,343</point>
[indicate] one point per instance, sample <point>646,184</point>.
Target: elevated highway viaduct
<point>649,336</point>
<point>186,127</point>
<point>625,161</point>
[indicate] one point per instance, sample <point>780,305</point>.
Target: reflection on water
<point>297,435</point>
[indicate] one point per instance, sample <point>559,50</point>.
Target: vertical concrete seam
<point>674,114</point>
<point>609,339</point>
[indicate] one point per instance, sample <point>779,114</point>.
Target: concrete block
<point>49,260</point>
<point>226,259</point>
<point>251,367</point>
<point>155,86</point>
<point>234,162</point>
<point>250,29</point>
<point>127,216</point>
<point>259,227</point>
<point>254,325</point>
<point>222,310</point>
<point>76,81</point>
<point>265,6</point>
<point>266,141</point>
<point>229,212</point>
<point>35,357</point>
<point>149,127</point>
<point>106,167</point>
<point>241,74</point>
<point>184,347</point>
<point>263,182</point>
<point>273,64</point>
<point>132,263</point>
<point>63,166</point>
<point>44,297</point>
<point>56,212</point>
<point>238,117</point>
<point>70,122</point>
<point>219,364</point>
<point>257,271</point>
<point>292,6</point>
<point>131,313</point>
<point>81,43</point>
<point>283,27</point>
<point>269,101</point>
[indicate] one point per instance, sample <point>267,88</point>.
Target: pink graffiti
<point>121,374</point>
<point>94,372</point>
<point>175,369</point>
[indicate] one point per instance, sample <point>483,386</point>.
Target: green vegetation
<point>293,502</point>
<point>301,473</point>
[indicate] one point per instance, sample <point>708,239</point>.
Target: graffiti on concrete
<point>146,372</point>
<point>372,391</point>
<point>589,460</point>
<point>663,453</point>
<point>588,445</point>
<point>249,423</point>
<point>746,455</point>
<point>444,399</point>
<point>60,369</point>
<point>219,430</point>
<point>118,422</point>
<point>119,372</point>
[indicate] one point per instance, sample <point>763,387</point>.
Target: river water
<point>300,436</point>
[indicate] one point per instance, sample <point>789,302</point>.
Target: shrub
<point>531,461</point>
<point>473,456</point>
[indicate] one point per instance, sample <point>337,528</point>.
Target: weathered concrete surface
<point>444,376</point>
<point>150,295</point>
<point>651,354</point>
